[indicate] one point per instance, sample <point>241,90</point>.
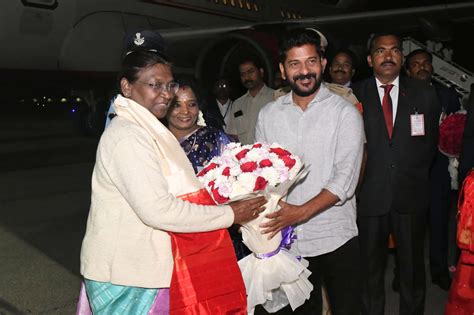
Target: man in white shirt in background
<point>245,109</point>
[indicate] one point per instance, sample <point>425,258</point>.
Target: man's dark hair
<point>257,62</point>
<point>416,52</point>
<point>296,38</point>
<point>382,34</point>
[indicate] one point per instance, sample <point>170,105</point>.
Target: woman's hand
<point>246,210</point>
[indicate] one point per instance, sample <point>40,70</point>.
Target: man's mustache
<point>388,62</point>
<point>304,76</point>
<point>341,71</point>
<point>423,71</point>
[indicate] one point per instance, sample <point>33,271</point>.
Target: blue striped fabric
<point>110,299</point>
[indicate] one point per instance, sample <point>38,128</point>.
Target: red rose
<point>226,171</point>
<point>217,197</point>
<point>451,131</point>
<point>248,167</point>
<point>204,171</point>
<point>289,162</point>
<point>241,154</point>
<point>257,145</point>
<point>260,184</point>
<point>265,163</point>
<point>279,151</point>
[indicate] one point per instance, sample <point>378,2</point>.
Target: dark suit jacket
<point>397,170</point>
<point>448,98</point>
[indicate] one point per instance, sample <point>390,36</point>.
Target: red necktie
<point>387,108</point>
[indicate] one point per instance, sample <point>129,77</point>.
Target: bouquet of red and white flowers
<point>273,276</point>
<point>246,169</point>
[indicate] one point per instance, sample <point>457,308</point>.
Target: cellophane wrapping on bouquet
<point>274,277</point>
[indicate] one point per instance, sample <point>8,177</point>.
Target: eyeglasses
<point>171,87</point>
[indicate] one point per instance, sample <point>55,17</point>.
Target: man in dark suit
<point>401,126</point>
<point>419,66</point>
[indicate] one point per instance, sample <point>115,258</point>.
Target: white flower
<point>254,155</point>
<point>283,173</point>
<point>224,189</point>
<point>271,175</point>
<point>277,162</point>
<point>235,170</point>
<point>247,180</point>
<point>238,189</point>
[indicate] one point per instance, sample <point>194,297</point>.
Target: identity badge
<point>417,124</point>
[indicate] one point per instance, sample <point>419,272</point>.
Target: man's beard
<point>296,89</point>
<point>249,84</point>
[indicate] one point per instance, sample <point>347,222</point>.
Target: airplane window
<point>255,7</point>
<point>282,13</point>
<point>232,3</point>
<point>249,5</point>
<point>241,4</point>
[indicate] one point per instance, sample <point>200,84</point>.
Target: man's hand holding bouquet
<point>273,276</point>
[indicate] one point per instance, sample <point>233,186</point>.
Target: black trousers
<point>408,231</point>
<point>440,205</point>
<point>340,272</point>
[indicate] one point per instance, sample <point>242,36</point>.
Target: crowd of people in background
<point>370,146</point>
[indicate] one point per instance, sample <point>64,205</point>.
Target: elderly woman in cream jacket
<point>140,177</point>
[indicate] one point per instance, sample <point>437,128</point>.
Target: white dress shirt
<point>225,110</point>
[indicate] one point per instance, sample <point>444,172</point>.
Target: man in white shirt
<point>326,132</point>
<point>245,109</point>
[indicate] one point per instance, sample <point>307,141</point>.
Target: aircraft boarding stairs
<point>445,72</point>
